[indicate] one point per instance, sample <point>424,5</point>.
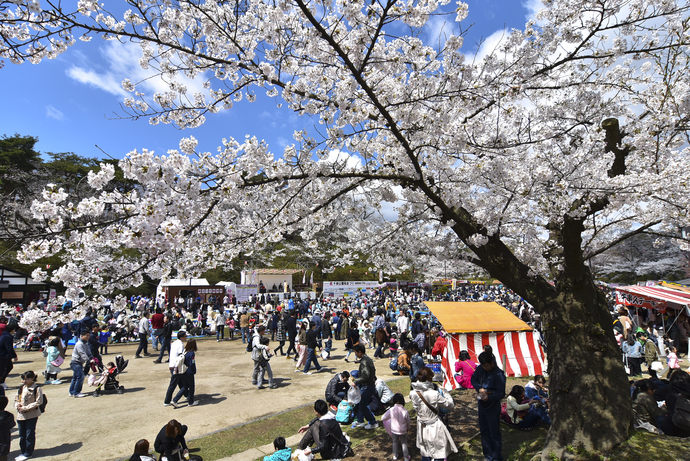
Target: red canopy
<point>652,297</point>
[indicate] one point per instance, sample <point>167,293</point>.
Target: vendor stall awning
<point>471,317</point>
<point>652,297</point>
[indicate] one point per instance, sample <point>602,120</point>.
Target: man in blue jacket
<point>7,354</point>
<point>490,383</point>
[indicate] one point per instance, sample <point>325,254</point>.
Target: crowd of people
<point>393,327</point>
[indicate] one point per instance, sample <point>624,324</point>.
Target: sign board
<point>13,295</point>
<point>245,292</point>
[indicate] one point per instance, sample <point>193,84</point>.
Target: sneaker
<point>21,458</point>
<point>56,381</point>
<point>175,405</point>
<point>317,371</point>
<point>138,357</point>
<point>80,395</point>
<point>371,426</point>
<point>355,425</point>
<point>307,373</point>
<point>4,386</point>
<point>297,370</point>
<point>156,361</point>
<point>261,387</point>
<point>166,404</point>
<point>194,403</point>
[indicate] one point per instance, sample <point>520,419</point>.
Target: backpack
<point>345,413</point>
<point>249,344</point>
<point>43,404</point>
<point>681,414</point>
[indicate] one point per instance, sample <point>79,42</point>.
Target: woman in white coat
<point>433,439</point>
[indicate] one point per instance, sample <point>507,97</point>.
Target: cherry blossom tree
<point>567,138</point>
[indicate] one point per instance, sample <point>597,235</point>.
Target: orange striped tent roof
<point>475,317</point>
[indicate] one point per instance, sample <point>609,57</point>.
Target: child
<point>52,352</point>
<point>281,453</point>
<point>104,338</point>
<point>6,424</point>
<point>265,366</point>
<point>672,358</point>
<point>400,425</point>
<point>231,327</point>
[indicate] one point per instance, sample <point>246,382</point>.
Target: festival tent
<point>653,298</point>
<point>472,325</point>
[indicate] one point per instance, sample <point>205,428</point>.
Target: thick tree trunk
<point>589,392</point>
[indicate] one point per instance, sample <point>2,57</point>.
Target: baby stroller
<point>33,342</point>
<point>105,380</point>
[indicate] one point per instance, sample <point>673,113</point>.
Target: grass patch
<point>255,434</point>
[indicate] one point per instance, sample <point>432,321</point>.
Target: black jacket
<point>6,424</point>
<point>311,339</point>
<point>166,445</point>
<point>332,443</point>
<point>291,326</point>
<point>334,387</point>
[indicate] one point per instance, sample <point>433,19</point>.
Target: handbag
<point>180,365</point>
<point>59,360</point>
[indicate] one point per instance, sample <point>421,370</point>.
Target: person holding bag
<point>433,439</point>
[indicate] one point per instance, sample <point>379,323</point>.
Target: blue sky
<point>72,103</point>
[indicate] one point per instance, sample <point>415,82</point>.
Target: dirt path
<point>106,428</point>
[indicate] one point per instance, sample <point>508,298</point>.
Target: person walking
<point>81,355</point>
<point>244,327</point>
<point>366,382</point>
<point>280,335</point>
<point>312,342</point>
<point>176,350</point>
<point>490,383</point>
<point>291,327</point>
<point>187,383</point>
<point>28,400</point>
<point>165,339</point>
<point>157,323</point>
<point>220,319</point>
<point>144,332</point>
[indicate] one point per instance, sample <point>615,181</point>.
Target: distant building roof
<point>275,271</point>
<point>185,282</point>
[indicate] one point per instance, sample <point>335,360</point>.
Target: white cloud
<point>438,29</point>
<point>337,156</point>
<point>122,61</point>
<point>52,112</point>
<point>488,46</point>
<point>106,82</point>
<point>532,7</point>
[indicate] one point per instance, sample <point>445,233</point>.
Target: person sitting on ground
<point>404,361</point>
<point>416,362</point>
<point>141,452</point>
<point>525,413</point>
<point>679,384</point>
<point>382,398</point>
<point>537,389</point>
<point>281,453</point>
<point>170,441</point>
<point>325,434</point>
<point>645,409</point>
<point>464,368</point>
<point>337,388</point>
